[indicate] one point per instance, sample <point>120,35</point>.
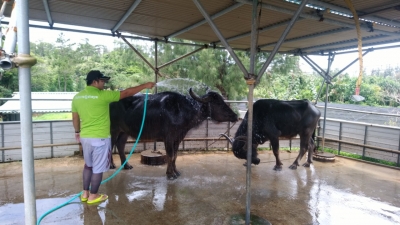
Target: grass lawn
<point>53,116</point>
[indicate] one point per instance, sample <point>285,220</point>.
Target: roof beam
<point>48,13</point>
<point>341,43</point>
<point>216,15</point>
<point>314,17</point>
<point>126,15</point>
<point>320,34</point>
<point>260,30</point>
<point>347,47</point>
<point>360,13</point>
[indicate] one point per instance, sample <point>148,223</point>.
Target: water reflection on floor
<point>211,190</point>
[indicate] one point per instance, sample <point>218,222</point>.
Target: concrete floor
<point>211,190</point>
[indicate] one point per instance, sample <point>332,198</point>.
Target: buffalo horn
<point>242,138</point>
<point>228,138</point>
<point>197,98</point>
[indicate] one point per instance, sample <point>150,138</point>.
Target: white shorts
<point>97,153</point>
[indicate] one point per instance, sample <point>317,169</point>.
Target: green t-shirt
<point>92,105</point>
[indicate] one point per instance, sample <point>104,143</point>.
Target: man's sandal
<point>99,199</point>
<point>83,199</point>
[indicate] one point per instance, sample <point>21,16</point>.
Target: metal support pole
<point>319,92</point>
<point>51,140</point>
<point>2,143</point>
<point>228,133</point>
<point>340,137</point>
<point>155,75</point>
<point>338,73</point>
<point>182,57</point>
<point>398,154</point>
<point>219,35</point>
<point>24,77</point>
<point>140,55</point>
<point>250,83</point>
<point>314,65</point>
<point>323,129</point>
<point>207,134</point>
<point>281,39</point>
<point>365,140</point>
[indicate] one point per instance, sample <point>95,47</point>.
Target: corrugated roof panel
<point>160,18</point>
<point>13,106</point>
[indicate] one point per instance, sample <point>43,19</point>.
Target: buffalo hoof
<point>112,166</point>
<point>293,166</point>
<point>277,168</point>
<point>307,164</point>
<point>171,176</point>
<point>255,161</point>
<point>128,166</point>
<point>177,173</point>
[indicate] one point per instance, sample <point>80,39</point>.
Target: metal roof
<point>41,102</point>
<point>323,25</point>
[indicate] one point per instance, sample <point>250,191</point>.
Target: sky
<point>373,60</point>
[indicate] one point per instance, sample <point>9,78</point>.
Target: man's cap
<point>96,75</point>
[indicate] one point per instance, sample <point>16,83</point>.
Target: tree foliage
<point>63,67</point>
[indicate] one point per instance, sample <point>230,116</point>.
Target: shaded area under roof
<point>323,25</point>
<point>61,103</point>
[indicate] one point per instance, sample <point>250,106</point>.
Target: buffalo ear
<point>197,98</point>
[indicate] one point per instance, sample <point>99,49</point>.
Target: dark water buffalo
<point>169,117</point>
<point>273,119</point>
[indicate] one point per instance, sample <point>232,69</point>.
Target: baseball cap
<point>96,75</point>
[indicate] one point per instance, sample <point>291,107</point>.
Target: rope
<point>359,37</point>
<point>113,175</point>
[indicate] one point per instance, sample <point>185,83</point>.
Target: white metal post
<point>24,77</point>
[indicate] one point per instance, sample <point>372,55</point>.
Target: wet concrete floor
<point>211,190</point>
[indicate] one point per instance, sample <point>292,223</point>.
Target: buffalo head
<point>216,108</point>
<point>239,148</point>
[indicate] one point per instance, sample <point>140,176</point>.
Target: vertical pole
<point>250,82</point>
<point>24,77</point>
<point>51,139</point>
<point>319,132</point>
<point>229,132</point>
<point>2,143</point>
<point>325,108</point>
<point>365,140</point>
<point>340,137</point>
<point>206,134</point>
<point>155,75</point>
<point>398,154</point>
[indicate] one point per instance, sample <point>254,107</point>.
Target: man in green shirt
<point>91,120</point>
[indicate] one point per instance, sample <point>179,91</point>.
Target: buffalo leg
<point>121,141</point>
<point>172,151</point>
<point>304,141</point>
<point>275,148</point>
<point>114,137</point>
<point>176,172</point>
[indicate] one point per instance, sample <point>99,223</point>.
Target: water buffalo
<point>169,117</point>
<point>273,119</point>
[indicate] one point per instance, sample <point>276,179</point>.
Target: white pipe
<point>24,75</point>
<point>11,39</point>
<point>3,7</point>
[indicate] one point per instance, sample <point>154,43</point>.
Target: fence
<point>364,139</point>
<point>56,139</point>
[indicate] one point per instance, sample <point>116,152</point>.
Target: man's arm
<point>76,122</point>
<point>133,90</point>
